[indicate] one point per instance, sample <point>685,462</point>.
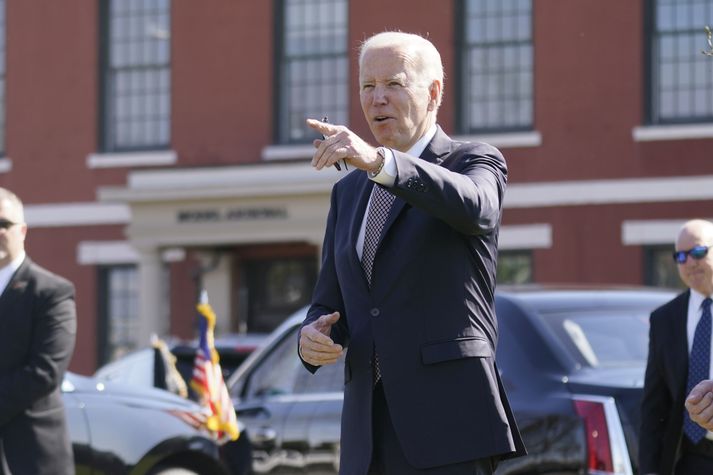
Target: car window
<point>604,338</point>
<point>136,369</point>
<point>281,373</point>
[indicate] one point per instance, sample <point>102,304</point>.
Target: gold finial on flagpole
<point>709,34</point>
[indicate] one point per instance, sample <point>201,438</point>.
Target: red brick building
<point>160,144</point>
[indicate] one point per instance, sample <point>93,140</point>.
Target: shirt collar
<point>417,149</point>
<point>696,299</point>
<point>7,271</point>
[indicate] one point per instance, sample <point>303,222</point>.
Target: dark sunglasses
<point>698,253</point>
<point>5,224</point>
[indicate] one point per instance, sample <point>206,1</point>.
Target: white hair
<point>427,59</point>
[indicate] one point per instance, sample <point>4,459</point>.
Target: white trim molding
<point>287,152</point>
<point>508,140</point>
<point>263,180</point>
<point>650,231</point>
<point>505,140</point>
<point>525,236</point>
<point>672,132</point>
<point>5,165</point>
<point>76,214</point>
<point>106,253</point>
<point>299,178</point>
<point>119,252</point>
<point>600,192</point>
<point>132,159</point>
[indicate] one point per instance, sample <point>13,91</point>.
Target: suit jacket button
<point>375,312</point>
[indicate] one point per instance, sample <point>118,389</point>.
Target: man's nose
<point>380,96</point>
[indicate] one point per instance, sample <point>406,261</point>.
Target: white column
<point>217,281</point>
<point>152,305</point>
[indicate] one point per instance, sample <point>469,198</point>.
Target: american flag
<point>207,380</point>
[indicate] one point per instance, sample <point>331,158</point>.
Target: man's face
<point>12,238</point>
<point>398,106</point>
<point>696,274</point>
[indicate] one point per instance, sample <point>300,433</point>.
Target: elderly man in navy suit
<point>37,333</point>
<point>670,440</point>
<point>408,277</point>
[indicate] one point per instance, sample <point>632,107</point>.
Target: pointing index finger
<point>322,127</point>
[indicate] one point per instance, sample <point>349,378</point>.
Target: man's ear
<point>434,93</point>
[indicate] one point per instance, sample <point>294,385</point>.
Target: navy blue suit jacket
<point>429,312</point>
<point>663,404</point>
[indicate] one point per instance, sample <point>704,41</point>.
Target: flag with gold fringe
<point>207,380</point>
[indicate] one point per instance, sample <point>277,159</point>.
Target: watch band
<point>381,153</point>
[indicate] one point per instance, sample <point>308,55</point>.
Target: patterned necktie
<point>698,367</point>
<point>379,206</point>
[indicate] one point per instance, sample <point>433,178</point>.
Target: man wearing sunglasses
<point>37,334</point>
<point>670,441</point>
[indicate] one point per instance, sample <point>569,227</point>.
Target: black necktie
<point>379,206</point>
<point>698,367</point>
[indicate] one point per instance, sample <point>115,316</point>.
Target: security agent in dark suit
<point>411,296</point>
<point>679,358</point>
<point>37,335</point>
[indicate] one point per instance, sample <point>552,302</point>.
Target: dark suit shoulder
<point>671,308</point>
<point>45,281</point>
<point>478,154</point>
<point>477,148</point>
<point>352,179</point>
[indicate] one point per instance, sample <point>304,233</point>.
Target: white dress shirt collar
<point>417,149</point>
<point>7,272</point>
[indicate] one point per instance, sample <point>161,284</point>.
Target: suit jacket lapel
<point>15,287</point>
<point>363,187</point>
<point>679,338</point>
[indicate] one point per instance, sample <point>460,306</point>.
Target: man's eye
<point>367,86</point>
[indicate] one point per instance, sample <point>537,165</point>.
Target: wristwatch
<point>382,154</point>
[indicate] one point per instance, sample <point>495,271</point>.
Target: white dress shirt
<point>7,272</point>
<point>387,176</point>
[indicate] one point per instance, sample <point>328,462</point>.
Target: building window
<point>137,75</point>
<point>313,66</point>
<point>2,77</point>
<point>495,65</point>
<point>681,79</point>
<point>514,267</point>
<point>276,288</point>
<point>119,311</point>
<point>659,268</point>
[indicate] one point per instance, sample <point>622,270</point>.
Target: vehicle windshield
<point>603,338</point>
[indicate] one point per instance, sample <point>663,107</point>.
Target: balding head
<point>696,273</point>
<point>12,227</point>
<point>8,195</point>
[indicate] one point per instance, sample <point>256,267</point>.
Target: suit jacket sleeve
<point>327,297</point>
<point>656,404</point>
<point>466,190</point>
<point>53,317</point>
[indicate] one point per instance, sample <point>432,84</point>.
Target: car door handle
<point>263,435</point>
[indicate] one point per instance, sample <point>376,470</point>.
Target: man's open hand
<point>316,347</point>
